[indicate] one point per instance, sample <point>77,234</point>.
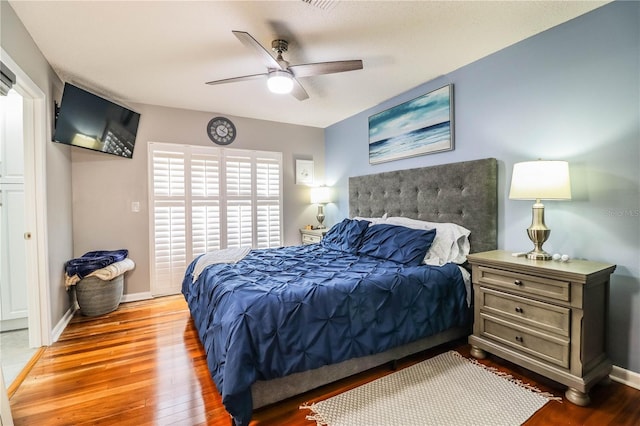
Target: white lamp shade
<point>540,180</point>
<point>280,82</point>
<point>320,195</point>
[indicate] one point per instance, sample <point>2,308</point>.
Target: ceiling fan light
<point>280,82</point>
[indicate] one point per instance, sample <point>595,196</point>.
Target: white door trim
<point>5,407</point>
<point>35,140</point>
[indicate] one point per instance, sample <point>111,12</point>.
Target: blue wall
<point>570,93</point>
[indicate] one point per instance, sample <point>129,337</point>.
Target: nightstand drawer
<point>310,239</point>
<point>524,284</point>
<point>544,346</point>
<point>545,316</point>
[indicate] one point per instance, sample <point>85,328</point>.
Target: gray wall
<point>104,186</point>
<point>17,42</point>
<point>570,93</point>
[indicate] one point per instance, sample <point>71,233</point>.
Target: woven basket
<point>98,297</point>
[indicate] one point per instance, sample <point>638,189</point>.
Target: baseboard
<point>626,377</point>
<point>62,324</point>
<point>134,297</point>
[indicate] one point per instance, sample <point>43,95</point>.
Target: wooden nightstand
<point>549,317</point>
<point>311,236</point>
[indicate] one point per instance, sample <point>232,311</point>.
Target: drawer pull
<point>519,339</point>
<point>518,282</point>
<point>519,309</point>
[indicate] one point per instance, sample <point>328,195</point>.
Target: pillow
<point>450,245</point>
<point>345,236</point>
<point>397,243</point>
<point>373,220</point>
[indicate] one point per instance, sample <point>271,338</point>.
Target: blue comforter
<point>281,311</point>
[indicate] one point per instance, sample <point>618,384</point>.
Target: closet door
<point>13,261</point>
<point>13,272</point>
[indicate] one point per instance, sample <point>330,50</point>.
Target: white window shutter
<point>269,233</point>
<point>205,203</point>
<point>238,173</point>
<point>268,200</point>
<point>168,248</point>
<point>168,174</point>
<point>208,198</point>
<point>205,231</point>
<point>170,245</point>
<point>239,224</point>
<point>239,191</point>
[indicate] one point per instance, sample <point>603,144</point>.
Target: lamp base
<point>320,217</point>
<point>538,255</point>
<point>538,233</point>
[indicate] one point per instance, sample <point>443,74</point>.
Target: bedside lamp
<point>320,195</point>
<point>540,180</point>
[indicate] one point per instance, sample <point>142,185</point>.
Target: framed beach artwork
<point>423,125</point>
<point>304,172</point>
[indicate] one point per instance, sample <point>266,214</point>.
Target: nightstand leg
<point>577,397</point>
<point>606,381</point>
<point>478,353</point>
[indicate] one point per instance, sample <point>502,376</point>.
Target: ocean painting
<point>421,126</point>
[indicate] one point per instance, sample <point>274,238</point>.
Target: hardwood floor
<point>143,365</point>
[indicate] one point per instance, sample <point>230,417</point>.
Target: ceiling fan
<point>282,77</point>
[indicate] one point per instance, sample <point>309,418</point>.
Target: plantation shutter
<point>239,191</point>
<point>205,202</point>
<point>169,247</point>
<point>268,184</point>
<point>207,198</point>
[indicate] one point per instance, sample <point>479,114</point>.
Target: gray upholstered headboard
<point>465,193</point>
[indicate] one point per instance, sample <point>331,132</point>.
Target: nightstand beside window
<point>312,236</point>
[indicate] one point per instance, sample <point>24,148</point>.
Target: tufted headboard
<point>465,193</point>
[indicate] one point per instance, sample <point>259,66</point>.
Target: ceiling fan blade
<point>234,79</point>
<point>319,68</point>
<point>246,39</point>
<point>298,91</point>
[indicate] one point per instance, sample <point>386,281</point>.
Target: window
<point>208,198</point>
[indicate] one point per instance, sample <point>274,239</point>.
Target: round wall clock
<point>221,130</point>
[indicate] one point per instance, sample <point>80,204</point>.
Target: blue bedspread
<point>281,311</point>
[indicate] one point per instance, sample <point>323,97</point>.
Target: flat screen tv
<point>89,121</point>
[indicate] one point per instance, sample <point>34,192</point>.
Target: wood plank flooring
<point>144,365</point>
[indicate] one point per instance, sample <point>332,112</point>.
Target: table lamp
<point>540,180</point>
<point>320,195</point>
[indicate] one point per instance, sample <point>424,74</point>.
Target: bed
<point>283,321</point>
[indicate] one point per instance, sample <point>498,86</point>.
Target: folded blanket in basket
<point>93,260</point>
<point>107,273</point>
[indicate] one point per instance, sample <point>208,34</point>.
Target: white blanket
<point>107,273</point>
<point>228,255</point>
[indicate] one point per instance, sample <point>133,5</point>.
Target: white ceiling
<point>162,52</point>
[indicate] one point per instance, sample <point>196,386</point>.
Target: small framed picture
<point>304,172</point>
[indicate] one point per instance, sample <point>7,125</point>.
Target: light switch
<point>135,206</point>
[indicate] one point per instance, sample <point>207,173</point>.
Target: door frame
<point>35,124</point>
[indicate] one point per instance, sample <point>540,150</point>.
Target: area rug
<point>448,389</point>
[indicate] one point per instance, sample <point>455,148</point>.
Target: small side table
<point>312,236</point>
